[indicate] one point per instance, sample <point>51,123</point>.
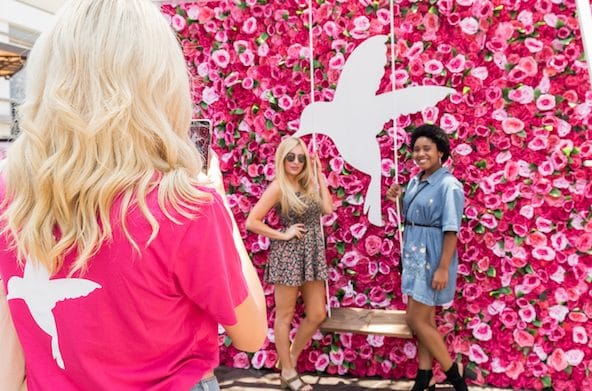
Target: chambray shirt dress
<point>438,207</point>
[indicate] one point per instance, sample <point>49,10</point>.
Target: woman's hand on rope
<point>394,192</point>
<point>440,279</point>
<point>295,231</point>
<point>317,169</point>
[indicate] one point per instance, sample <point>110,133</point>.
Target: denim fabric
<point>209,384</point>
<point>438,208</point>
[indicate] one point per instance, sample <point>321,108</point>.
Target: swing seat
<point>390,323</point>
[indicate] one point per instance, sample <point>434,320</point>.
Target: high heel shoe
<point>454,378</point>
<point>422,381</point>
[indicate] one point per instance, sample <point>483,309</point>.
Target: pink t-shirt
<point>133,321</point>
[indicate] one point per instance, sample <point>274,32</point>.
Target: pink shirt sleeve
<point>208,266</point>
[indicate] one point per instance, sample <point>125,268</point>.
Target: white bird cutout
<point>41,295</point>
<point>357,114</point>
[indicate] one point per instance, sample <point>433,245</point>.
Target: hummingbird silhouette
<point>41,295</point>
<point>357,114</point>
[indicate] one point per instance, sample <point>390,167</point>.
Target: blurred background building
<point>21,22</point>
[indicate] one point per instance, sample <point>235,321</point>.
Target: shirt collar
<point>435,176</point>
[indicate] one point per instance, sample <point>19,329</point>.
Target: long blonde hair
<point>289,201</point>
<point>106,115</point>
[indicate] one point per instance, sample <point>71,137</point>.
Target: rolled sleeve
<point>452,210</point>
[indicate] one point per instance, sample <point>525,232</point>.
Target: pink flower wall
<point>521,130</point>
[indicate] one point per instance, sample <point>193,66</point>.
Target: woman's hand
<point>394,192</point>
<point>295,231</point>
<point>440,279</point>
<point>317,167</point>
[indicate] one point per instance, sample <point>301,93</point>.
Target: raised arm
<point>326,199</point>
<point>250,331</point>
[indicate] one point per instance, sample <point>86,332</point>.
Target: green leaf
<point>237,111</point>
<point>500,292</point>
<point>528,269</point>
<point>268,124</point>
<point>491,272</point>
<point>482,164</point>
<point>227,341</point>
<point>555,192</point>
<point>479,229</point>
<point>340,246</point>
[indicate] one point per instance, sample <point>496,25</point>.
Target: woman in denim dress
<point>433,206</point>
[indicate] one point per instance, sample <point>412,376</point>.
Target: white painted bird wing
<point>71,288</point>
<point>363,70</point>
<point>408,100</point>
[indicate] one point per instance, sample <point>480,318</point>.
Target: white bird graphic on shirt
<point>41,295</point>
<point>357,114</point>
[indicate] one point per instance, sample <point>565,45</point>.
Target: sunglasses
<point>291,157</point>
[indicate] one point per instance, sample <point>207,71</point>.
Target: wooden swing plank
<point>390,323</point>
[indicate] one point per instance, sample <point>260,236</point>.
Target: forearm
<point>448,248</point>
<point>326,199</point>
<point>260,228</point>
<point>251,276</point>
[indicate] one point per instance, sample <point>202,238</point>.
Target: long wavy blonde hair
<point>106,115</point>
<point>289,200</point>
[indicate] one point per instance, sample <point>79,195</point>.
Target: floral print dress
<point>296,261</point>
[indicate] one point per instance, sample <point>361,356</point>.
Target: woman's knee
<point>316,316</point>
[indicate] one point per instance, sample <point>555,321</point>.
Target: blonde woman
<point>118,265</point>
<point>297,254</point>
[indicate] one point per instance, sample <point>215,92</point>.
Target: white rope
<point>314,135</point>
<point>395,144</point>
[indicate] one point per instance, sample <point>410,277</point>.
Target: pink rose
<point>372,244</point>
<point>337,61</point>
<point>358,230</point>
<point>434,67</point>
<point>477,355</point>
<point>544,253</point>
<point>336,356</point>
<point>512,125</point>
<point>247,58</point>
<point>241,360</point>
<point>579,335</point>
<point>221,58</point>
<point>322,362</point>
<point>258,359</point>
<point>250,25</point>
<point>178,22</point>
<point>557,360</point>
<point>482,332</point>
<point>528,65</point>
<point>514,369</point>
<point>469,25</point>
<point>545,102</point>
<point>523,338</point>
<point>271,358</point>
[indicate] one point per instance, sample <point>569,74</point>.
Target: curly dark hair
<point>434,133</point>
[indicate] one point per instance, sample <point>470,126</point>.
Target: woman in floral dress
<point>433,206</point>
<point>297,253</point>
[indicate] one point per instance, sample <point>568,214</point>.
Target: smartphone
<point>200,133</point>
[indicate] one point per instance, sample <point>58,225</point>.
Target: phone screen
<point>200,133</point>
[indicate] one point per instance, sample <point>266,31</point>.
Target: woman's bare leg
<point>313,294</point>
